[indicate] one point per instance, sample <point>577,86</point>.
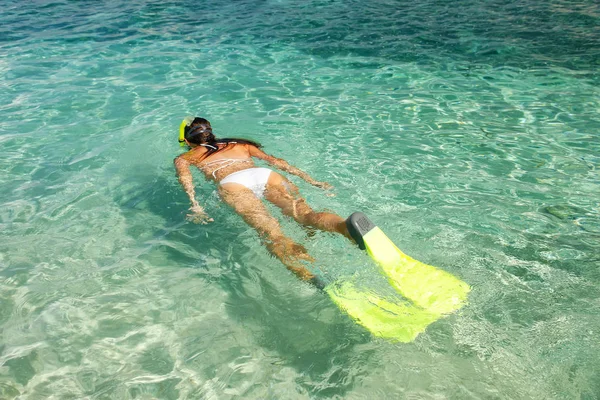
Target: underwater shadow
<point>299,324</point>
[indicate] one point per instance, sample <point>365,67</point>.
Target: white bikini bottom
<point>254,179</point>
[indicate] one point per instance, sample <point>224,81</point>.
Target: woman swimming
<point>242,185</point>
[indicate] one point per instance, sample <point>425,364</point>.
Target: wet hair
<point>200,132</point>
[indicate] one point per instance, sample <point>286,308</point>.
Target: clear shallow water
<point>468,132</point>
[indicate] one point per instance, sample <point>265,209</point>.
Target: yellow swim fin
<point>394,321</point>
<point>436,291</point>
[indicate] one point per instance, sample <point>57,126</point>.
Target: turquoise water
<point>467,130</point>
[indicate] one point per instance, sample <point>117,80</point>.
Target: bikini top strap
<point>225,162</point>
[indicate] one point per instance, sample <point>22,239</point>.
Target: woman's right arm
<point>285,166</point>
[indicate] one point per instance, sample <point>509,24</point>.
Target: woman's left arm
<point>197,215</point>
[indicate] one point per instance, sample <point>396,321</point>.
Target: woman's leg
<point>254,212</point>
<point>286,196</point>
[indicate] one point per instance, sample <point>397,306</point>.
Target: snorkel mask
<point>187,121</point>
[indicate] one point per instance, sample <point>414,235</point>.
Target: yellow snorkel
<point>187,121</point>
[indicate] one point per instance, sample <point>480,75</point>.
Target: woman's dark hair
<point>200,132</point>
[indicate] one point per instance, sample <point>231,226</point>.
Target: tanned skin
<point>279,191</point>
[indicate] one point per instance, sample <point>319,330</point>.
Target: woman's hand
<point>197,215</point>
<point>323,185</point>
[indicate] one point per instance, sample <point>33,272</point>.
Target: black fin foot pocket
<point>358,225</point>
<point>317,282</point>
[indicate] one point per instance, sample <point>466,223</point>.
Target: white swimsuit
<point>254,179</point>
